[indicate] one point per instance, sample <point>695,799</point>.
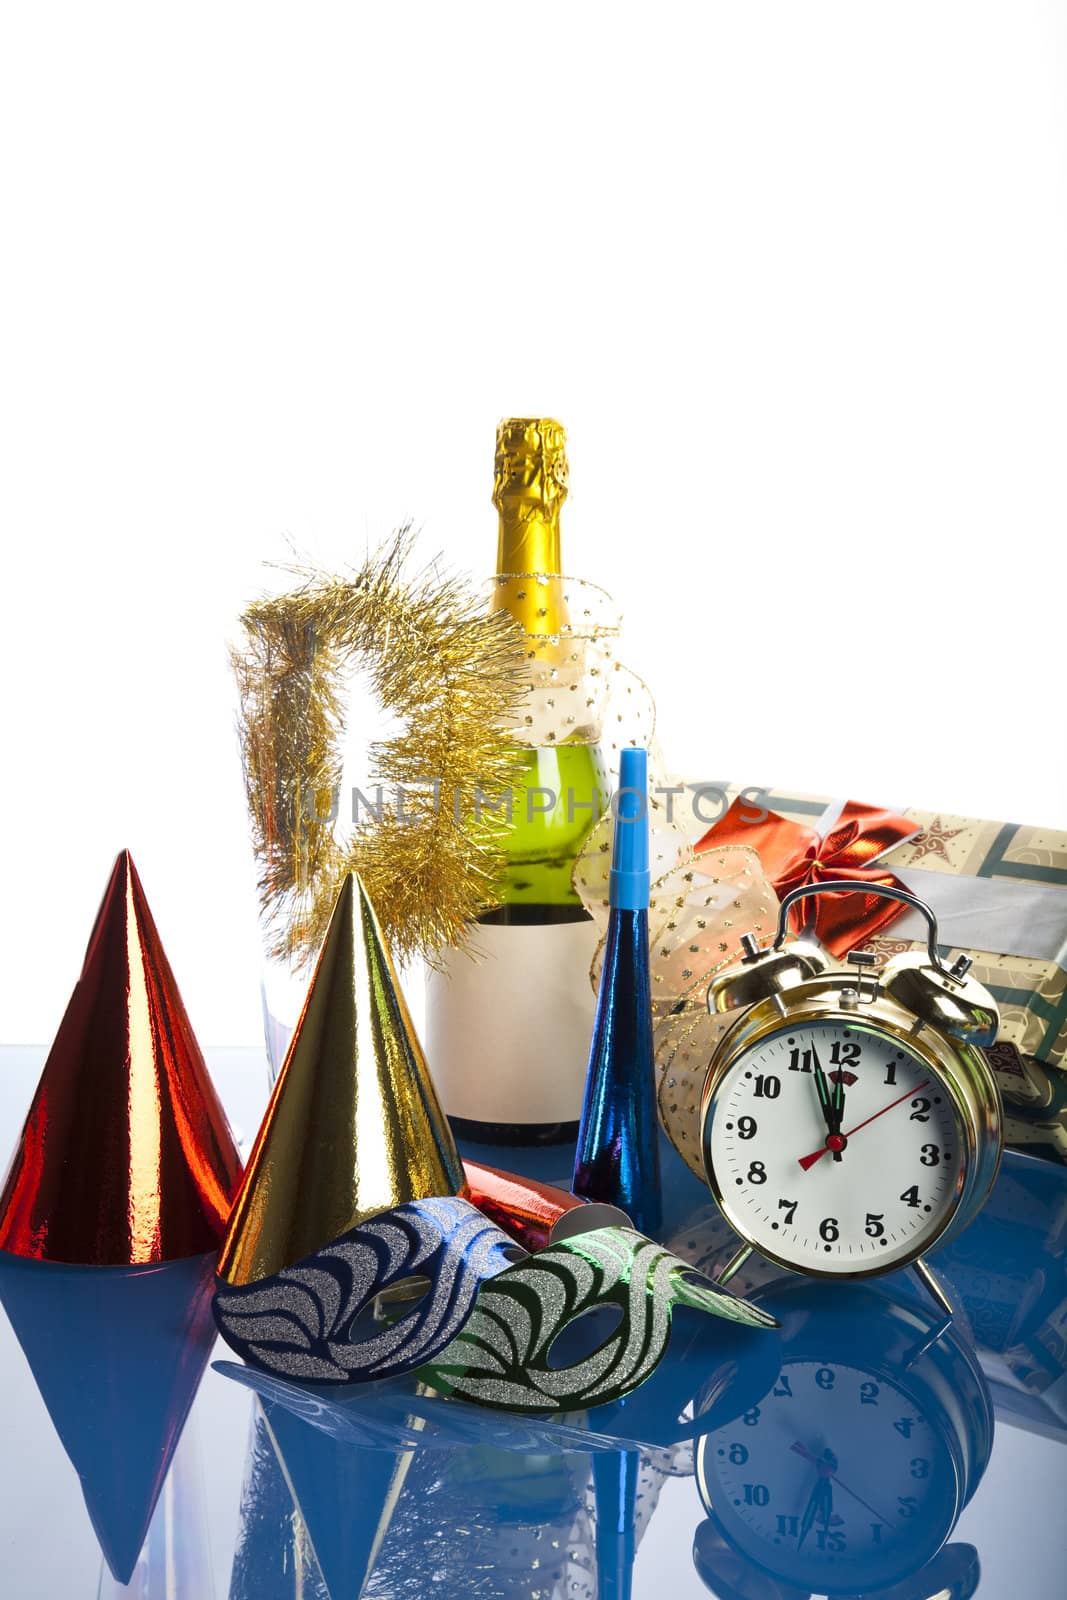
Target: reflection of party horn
<point>615,1497</point>
<point>536,1214</point>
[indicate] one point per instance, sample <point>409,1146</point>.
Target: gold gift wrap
<point>1005,907</point>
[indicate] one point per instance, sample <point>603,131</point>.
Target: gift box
<point>998,891</point>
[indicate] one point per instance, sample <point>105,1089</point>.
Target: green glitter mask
<point>501,1358</point>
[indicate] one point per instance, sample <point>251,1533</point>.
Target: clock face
<point>834,1148</point>
<point>836,1478</point>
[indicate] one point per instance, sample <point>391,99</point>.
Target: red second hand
<point>816,1155</point>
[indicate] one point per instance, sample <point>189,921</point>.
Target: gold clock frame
<point>957,1065</point>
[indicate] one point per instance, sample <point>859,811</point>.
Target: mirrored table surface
<point>868,1446</point>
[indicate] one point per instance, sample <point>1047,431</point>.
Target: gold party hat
<point>354,1126</point>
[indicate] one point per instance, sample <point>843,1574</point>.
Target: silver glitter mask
<point>503,1356</point>
<point>302,1322</point>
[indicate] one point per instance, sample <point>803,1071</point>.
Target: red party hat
<point>126,1158</point>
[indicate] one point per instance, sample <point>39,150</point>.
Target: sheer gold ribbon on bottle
<point>580,692</point>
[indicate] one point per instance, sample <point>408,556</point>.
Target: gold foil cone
<point>354,1125</point>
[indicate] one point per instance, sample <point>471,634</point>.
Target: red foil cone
<point>126,1158</point>
<point>523,1207</point>
<point>536,1214</point>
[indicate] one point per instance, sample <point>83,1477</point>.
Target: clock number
<point>768,1087</point>
<point>931,1156</point>
<point>738,1455</point>
<point>875,1224</point>
<point>869,1393</point>
<point>746,1127</point>
<point>826,1377</point>
<point>757,1172</point>
<point>920,1110</point>
<point>828,1230</point>
<point>891,1075</point>
<point>876,1533</point>
<point>750,1418</point>
<point>782,1389</point>
<point>800,1060</point>
<point>911,1196</point>
<point>844,1055</point>
<point>790,1209</point>
<point>834,1542</point>
<point>789,1527</point>
<point>920,1468</point>
<point>756,1494</point>
<point>905,1426</point>
<point>906,1504</point>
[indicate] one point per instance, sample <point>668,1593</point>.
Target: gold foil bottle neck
<point>529,488</point>
<point>354,1126</point>
<point>531,466</point>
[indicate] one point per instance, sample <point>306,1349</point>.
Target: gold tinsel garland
<point>455,678</point>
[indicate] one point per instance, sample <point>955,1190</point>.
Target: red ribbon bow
<point>793,854</point>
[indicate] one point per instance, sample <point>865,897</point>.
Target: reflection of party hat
<point>273,1558</point>
<point>345,1498</point>
<point>353,1127</point>
<point>175,1559</point>
<point>118,1355</point>
<point>126,1157</point>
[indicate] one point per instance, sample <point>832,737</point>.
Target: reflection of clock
<point>851,1471</point>
<point>953,1574</point>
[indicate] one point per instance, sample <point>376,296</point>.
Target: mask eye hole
<point>396,1301</point>
<point>514,1252</point>
<point>583,1335</point>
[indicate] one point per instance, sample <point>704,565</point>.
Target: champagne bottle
<point>508,1032</point>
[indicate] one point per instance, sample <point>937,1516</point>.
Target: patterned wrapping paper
<point>1021,871</point>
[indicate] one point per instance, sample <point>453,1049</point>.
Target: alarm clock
<point>849,1120</point>
<point>850,1472</point>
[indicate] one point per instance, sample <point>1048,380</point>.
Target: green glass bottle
<point>508,1032</point>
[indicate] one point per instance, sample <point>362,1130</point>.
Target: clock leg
<point>933,1287</point>
<point>735,1263</point>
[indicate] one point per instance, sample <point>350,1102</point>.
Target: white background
<point>792,275</point>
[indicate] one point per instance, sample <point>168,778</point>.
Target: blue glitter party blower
<point>617,1159</point>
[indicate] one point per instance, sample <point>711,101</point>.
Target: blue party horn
<point>617,1160</point>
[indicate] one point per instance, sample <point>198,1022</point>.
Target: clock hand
<point>833,1104</point>
<point>809,1161</point>
<point>821,1505</point>
<point>800,1450</point>
<point>822,1089</point>
<point>815,1497</point>
<point>839,1099</point>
